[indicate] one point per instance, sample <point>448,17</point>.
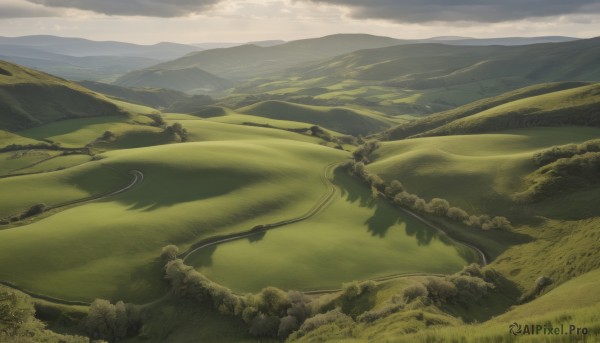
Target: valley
<point>379,190</point>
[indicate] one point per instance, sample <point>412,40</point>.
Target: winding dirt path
<point>138,177</point>
<point>323,202</point>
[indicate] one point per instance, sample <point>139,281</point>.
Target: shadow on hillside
<point>384,214</point>
<point>144,284</point>
<point>159,190</point>
<point>202,257</point>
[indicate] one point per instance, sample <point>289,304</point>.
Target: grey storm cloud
<point>150,8</point>
<point>415,11</point>
<point>16,9</point>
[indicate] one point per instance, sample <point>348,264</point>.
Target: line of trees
<point>44,146</point>
<point>32,211</point>
<point>397,194</point>
<point>274,313</point>
<point>271,313</point>
<point>464,287</point>
<point>554,153</point>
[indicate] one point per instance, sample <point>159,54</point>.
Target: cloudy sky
<point>197,21</point>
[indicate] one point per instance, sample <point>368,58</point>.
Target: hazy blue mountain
<point>83,47</point>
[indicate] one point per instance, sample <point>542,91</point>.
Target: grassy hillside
<point>577,106</point>
<point>184,188</point>
<point>153,97</point>
<point>55,99</point>
<point>190,80</point>
<point>421,79</point>
<point>573,303</point>
<point>480,173</point>
<point>343,120</point>
<point>371,237</point>
<point>423,66</point>
<point>76,133</point>
<point>437,120</point>
<point>249,61</point>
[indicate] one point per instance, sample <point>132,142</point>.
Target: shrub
<point>300,305</point>
<point>420,205</point>
<point>157,119</point>
<point>393,189</point>
<point>273,301</point>
<point>359,169</point>
<point>264,326</point>
<point>500,223</point>
<point>440,290</point>
<point>287,325</point>
<point>457,214</point>
<point>469,288</point>
<point>471,270</point>
<point>439,206</point>
<point>405,199</point>
<point>249,313</point>
<point>371,316</point>
<point>361,154</point>
<point>15,309</point>
<point>169,253</point>
<point>178,130</point>
<point>33,211</point>
<point>102,319</point>
<point>333,316</point>
<point>414,291</point>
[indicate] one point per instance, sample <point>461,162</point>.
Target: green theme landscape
<point>346,188</point>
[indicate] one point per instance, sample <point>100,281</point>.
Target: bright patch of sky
<point>198,21</point>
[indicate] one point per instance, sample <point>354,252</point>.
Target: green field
<point>356,238</point>
<point>180,200</point>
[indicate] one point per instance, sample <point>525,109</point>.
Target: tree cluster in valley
<point>274,313</point>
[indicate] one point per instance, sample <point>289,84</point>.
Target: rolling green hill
<point>343,120</point>
<point>184,188</point>
<point>425,66</point>
<point>577,107</point>
<point>482,172</point>
<point>552,104</point>
<point>54,99</point>
<point>190,80</point>
<point>249,61</point>
<point>421,79</point>
<point>153,97</point>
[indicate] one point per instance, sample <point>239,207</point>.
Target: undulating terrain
<point>348,188</point>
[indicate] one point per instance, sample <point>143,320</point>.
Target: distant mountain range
<point>211,64</point>
<point>439,66</point>
<point>80,47</point>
